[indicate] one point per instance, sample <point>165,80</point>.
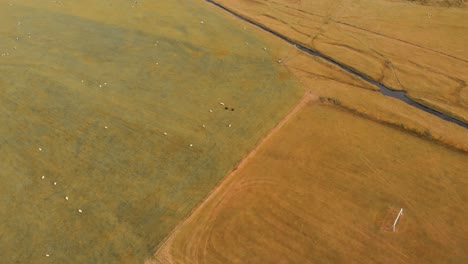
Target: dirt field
<point>321,190</point>
<point>88,92</point>
<point>408,46</point>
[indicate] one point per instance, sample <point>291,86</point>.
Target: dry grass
<point>444,3</point>
<point>416,48</point>
<point>329,81</point>
<point>106,148</point>
<point>319,191</point>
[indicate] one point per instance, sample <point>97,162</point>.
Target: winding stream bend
<point>400,95</point>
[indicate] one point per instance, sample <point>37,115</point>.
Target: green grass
<point>133,183</point>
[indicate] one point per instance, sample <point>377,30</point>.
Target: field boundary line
<point>415,131</point>
<point>306,98</point>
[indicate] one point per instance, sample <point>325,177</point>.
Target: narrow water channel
<point>400,95</point>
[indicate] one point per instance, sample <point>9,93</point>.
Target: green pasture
<point>88,90</point>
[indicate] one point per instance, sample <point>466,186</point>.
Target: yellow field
<point>121,122</point>
<point>322,190</point>
<point>417,48</point>
<point>327,80</point>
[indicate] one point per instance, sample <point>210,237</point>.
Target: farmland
<point>111,124</point>
<point>407,46</point>
<point>319,190</point>
<point>171,131</point>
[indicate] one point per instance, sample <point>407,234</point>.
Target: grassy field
<point>324,189</point>
<point>404,45</point>
<point>327,80</point>
<point>113,108</point>
<point>117,118</point>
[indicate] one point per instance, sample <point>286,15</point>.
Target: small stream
<point>400,95</point>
